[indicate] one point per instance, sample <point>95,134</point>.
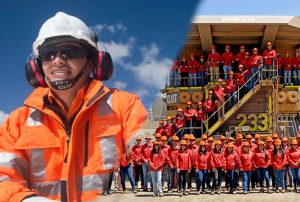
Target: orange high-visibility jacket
<point>35,157</point>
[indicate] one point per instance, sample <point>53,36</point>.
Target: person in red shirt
<point>223,142</point>
<point>193,66</point>
<point>238,143</point>
<point>173,155</point>
<point>269,55</point>
<point>174,80</point>
<point>247,66</point>
<point>184,166</point>
<point>262,160</point>
<point>193,148</point>
<point>217,163</point>
<point>246,164</point>
<point>138,161</point>
<point>146,151</point>
<point>238,58</point>
<point>231,164</point>
<point>288,172</point>
<point>126,169</point>
<point>227,60</point>
<point>157,137</point>
<point>296,71</point>
<point>231,89</point>
<point>179,122</point>
<point>279,162</point>
<point>201,166</point>
<point>210,106</point>
<point>253,146</point>
<point>213,61</point>
<point>255,63</point>
<point>160,128</point>
<point>184,74</point>
<point>156,162</point>
<point>169,128</point>
<point>287,63</point>
<point>189,114</point>
<point>199,120</point>
<point>167,163</point>
<point>294,162</point>
<point>202,72</point>
<point>241,80</point>
<point>220,95</point>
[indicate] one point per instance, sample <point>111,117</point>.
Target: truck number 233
<point>260,121</point>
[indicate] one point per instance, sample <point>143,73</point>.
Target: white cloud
<point>141,92</point>
<point>120,84</point>
<point>111,28</point>
<point>3,116</point>
<point>152,70</point>
<point>118,50</point>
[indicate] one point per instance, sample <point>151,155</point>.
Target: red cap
<point>246,53</point>
<point>242,46</point>
<point>220,80</point>
<point>202,56</point>
<point>161,122</point>
<point>227,46</point>
<point>286,51</point>
<point>269,43</point>
<point>192,54</point>
<point>189,103</point>
<point>213,47</point>
<point>255,49</point>
<point>179,110</point>
<point>199,103</point>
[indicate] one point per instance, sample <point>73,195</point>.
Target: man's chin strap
<point>66,84</point>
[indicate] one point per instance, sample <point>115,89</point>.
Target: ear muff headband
<point>39,78</point>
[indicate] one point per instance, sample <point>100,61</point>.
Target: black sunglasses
<point>68,52</point>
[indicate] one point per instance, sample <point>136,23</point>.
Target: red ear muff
<point>104,68</point>
<point>34,73</point>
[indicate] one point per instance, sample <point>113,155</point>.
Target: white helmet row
<point>63,24</point>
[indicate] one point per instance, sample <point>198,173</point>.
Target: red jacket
<point>137,153</point>
<point>179,121</point>
<point>199,114</point>
<point>239,57</point>
<point>287,63</point>
<point>183,66</point>
<point>262,159</point>
<point>214,59</point>
<point>231,160</point>
<point>230,85</point>
<point>270,56</point>
<point>201,161</point>
<point>247,65</point>
<point>279,161</point>
<point>193,151</point>
<point>189,114</point>
<point>159,130</point>
<point>254,60</point>
<point>156,161</point>
<point>193,66</point>
<point>253,147</point>
<point>241,77</point>
<point>184,160</point>
<point>227,58</point>
<point>220,92</point>
<point>246,161</point>
<point>210,105</point>
<point>168,130</point>
<point>202,67</point>
<point>296,63</point>
<point>293,158</point>
<point>124,161</point>
<point>217,160</point>
<point>173,155</point>
<point>165,151</point>
<point>278,63</point>
<point>146,151</point>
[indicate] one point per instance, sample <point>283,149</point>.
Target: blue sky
<point>140,34</point>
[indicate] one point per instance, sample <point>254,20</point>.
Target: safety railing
<point>235,95</point>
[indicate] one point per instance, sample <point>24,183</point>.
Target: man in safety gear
<point>63,143</point>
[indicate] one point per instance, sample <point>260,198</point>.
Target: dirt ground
<point>224,197</point>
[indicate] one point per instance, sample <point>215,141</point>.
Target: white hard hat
<point>63,24</point>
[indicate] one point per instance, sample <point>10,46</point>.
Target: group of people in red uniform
<point>209,162</point>
<point>194,72</point>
